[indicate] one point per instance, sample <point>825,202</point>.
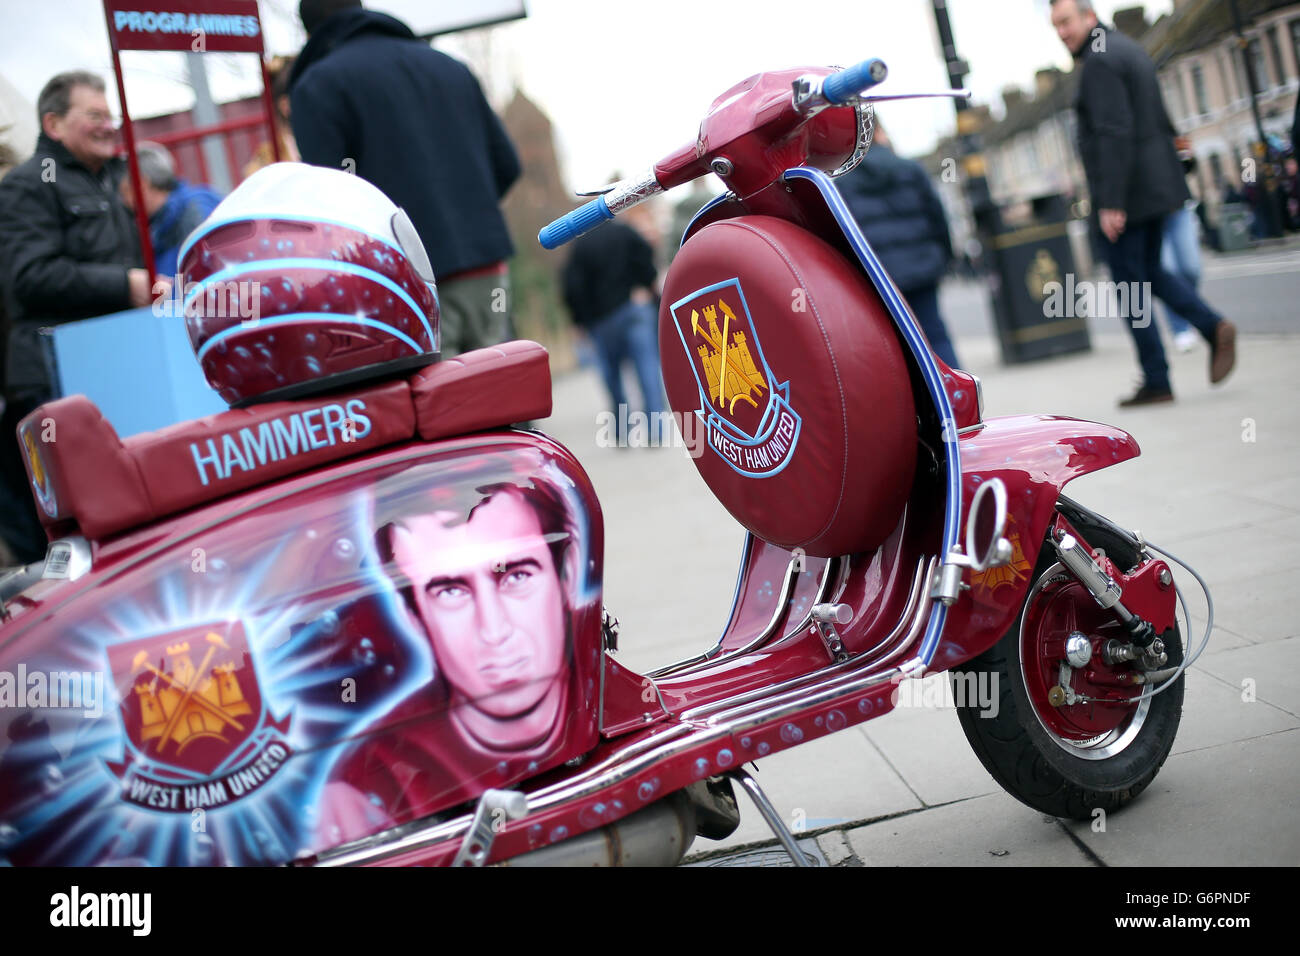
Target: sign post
<point>182,26</point>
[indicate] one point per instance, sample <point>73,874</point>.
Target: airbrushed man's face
<point>490,597</point>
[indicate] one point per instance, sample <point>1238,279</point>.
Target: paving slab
<point>994,830</point>
<point>830,781</point>
<point>1214,712</point>
<point>1231,805</point>
<point>1273,671</point>
<point>927,747</point>
<point>835,847</point>
<point>1258,605</point>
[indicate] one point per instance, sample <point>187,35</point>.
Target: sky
<point>624,82</point>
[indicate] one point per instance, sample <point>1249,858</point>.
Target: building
<point>1203,73</point>
<point>1031,152</point>
<point>1202,65</point>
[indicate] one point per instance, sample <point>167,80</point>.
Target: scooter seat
<point>87,480</point>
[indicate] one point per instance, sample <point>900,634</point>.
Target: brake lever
<point>961,94</point>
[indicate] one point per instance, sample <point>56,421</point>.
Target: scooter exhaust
<point>659,835</point>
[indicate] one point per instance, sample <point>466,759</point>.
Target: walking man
<point>608,283</point>
<point>1136,181</point>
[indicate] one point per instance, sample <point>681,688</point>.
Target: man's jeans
<point>1180,254</point>
<point>630,331</point>
<point>1135,258</point>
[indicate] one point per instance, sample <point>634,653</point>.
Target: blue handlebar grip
<point>840,86</point>
<point>573,224</point>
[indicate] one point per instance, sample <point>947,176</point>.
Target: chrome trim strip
<point>790,701</point>
<point>745,556</point>
<point>712,655</point>
<point>840,688</point>
<point>919,577</point>
<point>422,838</point>
<point>904,622</point>
<point>647,752</point>
<point>818,598</point>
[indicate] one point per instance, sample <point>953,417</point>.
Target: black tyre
<point>1049,757</point>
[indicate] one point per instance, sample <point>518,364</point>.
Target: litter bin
<point>1035,309</point>
<point>1234,227</point>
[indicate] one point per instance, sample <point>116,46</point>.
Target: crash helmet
<point>302,280</point>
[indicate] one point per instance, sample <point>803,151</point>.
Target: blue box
<point>139,368</point>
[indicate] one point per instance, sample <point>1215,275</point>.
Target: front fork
<point>1143,600</point>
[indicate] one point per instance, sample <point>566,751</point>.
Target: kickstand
<point>774,821</point>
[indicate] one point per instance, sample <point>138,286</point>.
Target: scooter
<point>386,644</point>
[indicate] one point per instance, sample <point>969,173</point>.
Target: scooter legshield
<point>310,663</point>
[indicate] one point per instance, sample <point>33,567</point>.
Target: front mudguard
<point>1035,456</point>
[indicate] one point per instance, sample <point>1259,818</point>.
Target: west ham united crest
<point>747,414</point>
<point>41,480</point>
<point>198,734</point>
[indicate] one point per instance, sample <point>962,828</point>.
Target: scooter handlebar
<point>846,84</point>
<point>573,224</point>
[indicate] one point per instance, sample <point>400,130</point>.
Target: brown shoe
<point>1147,396</point>
<point>1223,354</point>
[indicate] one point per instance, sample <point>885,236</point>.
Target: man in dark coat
<point>900,214</point>
<point>68,251</point>
<point>1136,180</point>
<point>608,282</point>
<point>369,97</point>
<point>1295,128</point>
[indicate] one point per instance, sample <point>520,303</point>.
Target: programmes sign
<point>212,26</point>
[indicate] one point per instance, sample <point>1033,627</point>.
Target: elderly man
<point>1136,181</point>
<point>173,205</point>
<point>68,251</point>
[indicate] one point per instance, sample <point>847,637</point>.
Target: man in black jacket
<point>901,216</point>
<point>68,251</point>
<point>367,96</point>
<point>608,287</point>
<point>1136,180</point>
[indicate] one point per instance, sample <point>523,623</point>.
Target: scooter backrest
<point>781,356</point>
<point>86,479</point>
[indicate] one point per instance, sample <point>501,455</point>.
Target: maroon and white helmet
<point>306,279</point>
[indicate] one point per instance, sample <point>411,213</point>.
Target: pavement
<point>1217,484</point>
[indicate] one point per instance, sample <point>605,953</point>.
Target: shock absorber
<point>1107,593</point>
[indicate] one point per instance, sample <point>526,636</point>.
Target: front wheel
<point>1069,759</point>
